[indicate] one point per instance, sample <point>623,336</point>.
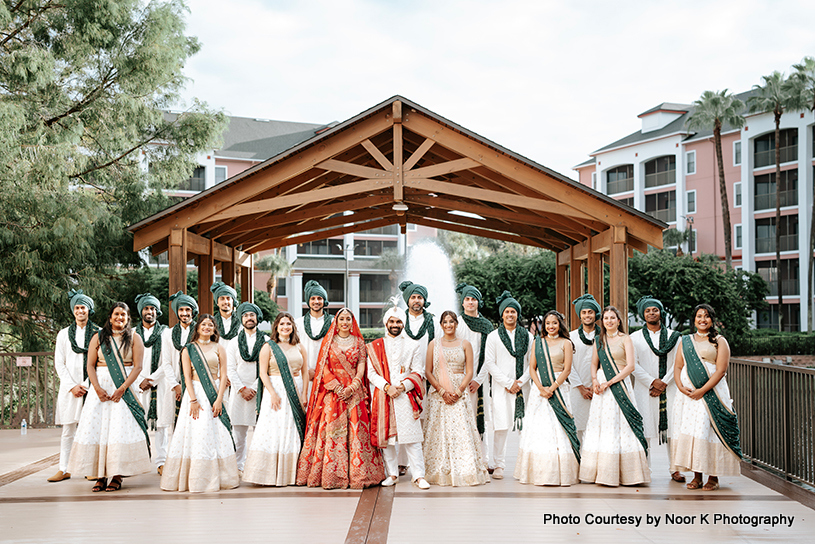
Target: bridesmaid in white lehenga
<point>452,446</point>
<point>275,449</point>
<point>547,454</point>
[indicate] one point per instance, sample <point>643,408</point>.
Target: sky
<point>552,81</point>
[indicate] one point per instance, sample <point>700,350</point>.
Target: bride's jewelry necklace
<point>345,341</point>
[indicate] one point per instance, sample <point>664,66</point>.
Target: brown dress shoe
<point>160,470</point>
<point>59,476</point>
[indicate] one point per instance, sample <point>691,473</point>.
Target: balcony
<point>789,242</point>
<point>789,288</point>
<point>620,186</point>
<point>660,178</point>
<point>667,215</point>
<point>193,184</point>
<point>767,158</point>
<point>373,296</point>
<point>767,201</point>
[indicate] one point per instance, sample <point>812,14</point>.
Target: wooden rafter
<point>273,243</point>
<point>455,227</point>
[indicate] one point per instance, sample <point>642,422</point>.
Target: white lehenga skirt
<point>201,457</point>
<point>694,444</point>
<point>275,447</point>
<point>108,441</point>
<point>545,455</point>
<point>611,454</point>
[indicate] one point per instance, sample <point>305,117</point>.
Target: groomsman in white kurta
<point>173,341</point>
<point>150,331</point>
<point>471,301</point>
<point>311,335</point>
<point>70,358</point>
<point>396,371</point>
<point>226,318</point>
<point>652,384</point>
<point>588,310</point>
<point>506,346</point>
<point>242,368</point>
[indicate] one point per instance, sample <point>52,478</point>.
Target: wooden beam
<point>601,243</point>
<point>581,250</point>
<point>228,271</point>
<point>197,244</point>
<point>322,235</point>
<point>418,154</point>
<point>443,168</point>
<point>206,277</point>
<point>564,257</point>
<point>178,266</point>
<point>262,178</point>
<point>594,266</point>
<point>618,284</point>
<point>248,281</point>
<point>160,247</point>
<point>575,286</point>
<point>398,166</point>
<point>397,111</point>
<point>352,169</point>
<point>311,197</point>
<point>377,155</point>
<point>420,220</point>
<point>221,252</point>
<point>548,206</point>
<point>561,281</point>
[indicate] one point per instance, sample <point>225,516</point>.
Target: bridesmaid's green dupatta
<point>291,389</point>
<point>547,376</point>
<point>116,367</point>
<point>197,358</point>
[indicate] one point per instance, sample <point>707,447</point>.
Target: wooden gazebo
<point>400,163</point>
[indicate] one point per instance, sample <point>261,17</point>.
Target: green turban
<point>314,289</point>
<point>408,288</point>
<point>249,307</point>
<point>146,299</point>
<point>78,298</point>
<point>179,300</point>
<point>586,302</point>
<point>220,289</point>
<point>506,301</point>
<point>469,291</point>
<point>648,301</point>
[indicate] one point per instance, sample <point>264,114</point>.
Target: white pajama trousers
<point>415,458</point>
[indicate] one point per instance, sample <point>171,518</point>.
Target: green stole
<point>521,347</point>
<point>234,325</point>
<point>483,326</point>
<point>621,394</point>
<point>307,325</point>
<point>90,330</point>
<point>202,369</point>
<point>291,388</point>
<point>546,371</point>
<point>116,367</point>
<point>724,420</point>
<point>426,328</point>
<point>154,343</point>
<point>666,344</point>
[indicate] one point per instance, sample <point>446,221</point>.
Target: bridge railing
<point>28,389</point>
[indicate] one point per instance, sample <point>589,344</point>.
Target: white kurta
<point>153,377</point>
<point>501,366</point>
<point>227,321</point>
<point>580,375</point>
<point>645,372</point>
<point>170,377</point>
<point>312,346</point>
<point>474,338</point>
<point>241,374</point>
<point>402,354</point>
<point>416,323</point>
<point>70,369</point>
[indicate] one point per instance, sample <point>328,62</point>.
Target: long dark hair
<point>215,334</point>
<point>451,313</point>
<point>106,332</point>
<point>562,331</point>
<point>294,338</point>
<point>712,333</point>
<point>620,327</point>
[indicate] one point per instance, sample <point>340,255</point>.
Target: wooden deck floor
<point>33,510</point>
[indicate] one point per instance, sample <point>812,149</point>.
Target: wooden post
<point>178,265</point>
<point>248,281</point>
<point>206,276</point>
<point>561,281</point>
<point>228,270</point>
<point>618,295</point>
<point>594,264</point>
<point>575,289</point>
<point>398,166</point>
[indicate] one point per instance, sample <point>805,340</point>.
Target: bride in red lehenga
<point>337,450</point>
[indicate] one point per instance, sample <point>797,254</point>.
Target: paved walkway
<point>32,510</point>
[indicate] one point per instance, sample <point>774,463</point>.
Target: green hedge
<point>773,343</point>
<point>372,334</point>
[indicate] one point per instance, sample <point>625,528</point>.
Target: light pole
<point>345,250</point>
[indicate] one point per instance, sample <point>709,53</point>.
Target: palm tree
<point>717,109</point>
<point>775,96</point>
<point>675,237</point>
<point>802,91</point>
<point>277,264</point>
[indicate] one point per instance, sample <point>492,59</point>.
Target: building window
<point>790,283</point>
<point>764,148</point>
<point>765,190</point>
<point>334,284</point>
<point>620,179</point>
<point>765,234</point>
<point>627,201</point>
<point>370,318</point>
<point>737,236</point>
<point>660,171</point>
<point>736,153</point>
<point>198,181</point>
<point>691,201</point>
<point>220,174</point>
<point>411,227</point>
<point>321,247</point>
<point>661,206</point>
<point>388,229</point>
<point>691,162</point>
<point>373,248</point>
<point>594,180</point>
<point>374,288</point>
<point>737,194</point>
<point>768,319</point>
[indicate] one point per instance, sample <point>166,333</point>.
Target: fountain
<point>427,264</point>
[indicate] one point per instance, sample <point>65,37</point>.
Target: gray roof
<point>667,106</point>
<point>259,139</point>
<point>586,163</point>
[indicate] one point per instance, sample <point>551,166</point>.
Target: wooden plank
<point>397,111</point>
<point>548,206</point>
<point>601,243</point>
<point>274,243</point>
<point>561,275</point>
<point>241,258</point>
<point>221,252</point>
<point>311,197</point>
<point>575,287</point>
<point>206,277</point>
<point>160,247</point>
<point>618,284</point>
<point>178,266</point>
<point>639,245</point>
<point>418,154</point>
<point>377,155</point>
<point>247,282</point>
<point>443,168</point>
<point>228,271</point>
<point>258,180</point>
<point>564,257</point>
<point>398,167</point>
<point>581,250</point>
<point>594,265</point>
<point>197,244</point>
<point>352,169</point>
<point>433,223</point>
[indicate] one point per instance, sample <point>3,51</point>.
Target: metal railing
<point>789,242</point>
<point>28,389</point>
<point>776,409</point>
<point>660,178</point>
<point>620,186</point>
<point>668,215</point>
<point>789,288</point>
<point>767,157</point>
<point>767,201</point>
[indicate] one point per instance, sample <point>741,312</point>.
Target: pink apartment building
<point>670,173</point>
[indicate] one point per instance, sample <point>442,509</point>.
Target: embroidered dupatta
<point>198,360</point>
<point>546,372</point>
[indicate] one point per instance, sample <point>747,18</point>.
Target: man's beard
<point>395,331</point>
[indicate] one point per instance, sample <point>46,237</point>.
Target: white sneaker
<point>498,473</point>
<point>421,483</point>
<point>389,481</point>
